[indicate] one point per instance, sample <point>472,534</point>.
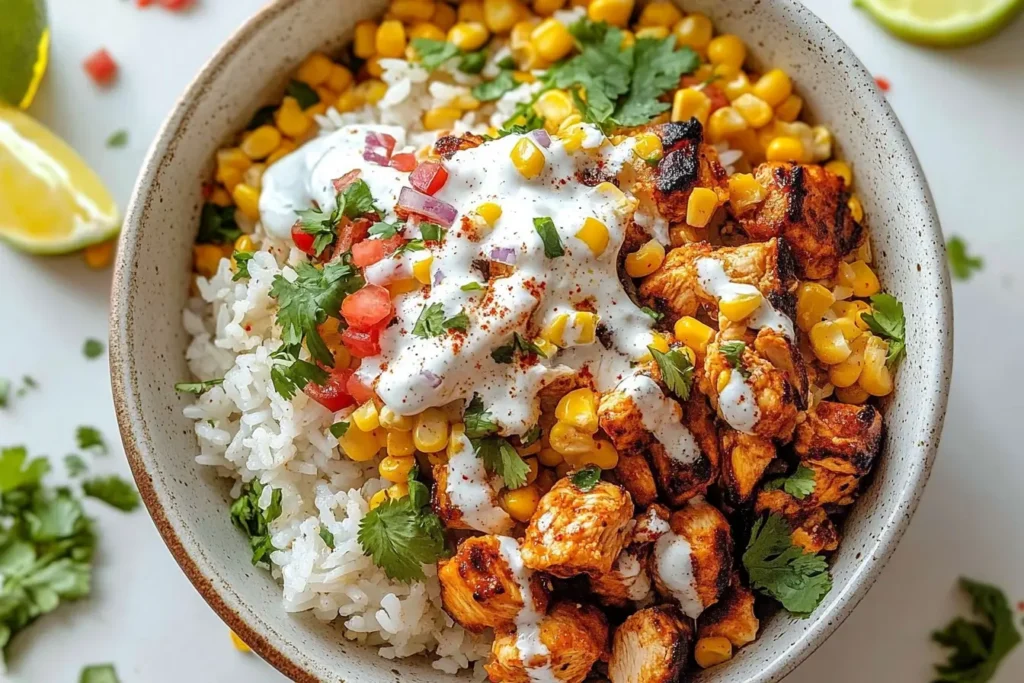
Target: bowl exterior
<point>188,502</point>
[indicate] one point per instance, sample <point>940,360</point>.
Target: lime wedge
<point>24,50</point>
<point>943,23</point>
<point>50,201</point>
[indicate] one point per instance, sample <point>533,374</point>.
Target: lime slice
<point>944,23</point>
<point>50,201</point>
<point>24,49</point>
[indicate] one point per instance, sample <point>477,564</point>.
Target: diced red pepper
<point>404,162</point>
<point>303,240</point>
<point>429,177</point>
<point>101,67</point>
<point>176,5</point>
<point>359,391</point>
<point>367,252</point>
<point>883,83</point>
<point>333,395</point>
<point>344,181</point>
<point>362,343</point>
<point>350,233</point>
<point>367,308</point>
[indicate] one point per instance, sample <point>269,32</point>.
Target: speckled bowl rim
<point>137,439</point>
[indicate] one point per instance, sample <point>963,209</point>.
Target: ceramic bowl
<point>189,504</point>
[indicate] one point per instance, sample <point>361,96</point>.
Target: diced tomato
<point>391,244</point>
<point>714,93</point>
<point>350,232</point>
<point>883,83</point>
<point>175,5</point>
<point>333,395</point>
<point>303,240</point>
<point>429,177</point>
<point>367,308</point>
<point>367,252</point>
<point>346,180</point>
<point>101,67</point>
<point>144,3</point>
<point>359,391</point>
<point>404,162</point>
<point>361,343</point>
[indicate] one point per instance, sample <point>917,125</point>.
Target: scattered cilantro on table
<point>112,490</point>
<point>90,439</point>
<point>75,465</point>
<point>887,321</point>
<point>978,647</point>
<point>99,673</point>
<point>676,371</point>
<point>93,348</point>
<point>247,515</point>
<point>5,392</point>
<point>117,139</point>
<point>962,264</point>
<point>800,484</point>
<point>782,570</point>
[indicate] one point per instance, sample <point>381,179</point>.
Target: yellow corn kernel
<point>745,191</point>
<point>247,199</point>
<point>821,147</point>
<point>569,121</point>
<point>371,91</point>
<point>843,170</point>
<point>206,259</point>
<point>98,256</point>
<point>694,31</point>
<point>431,431</point>
<point>411,11</point>
<point>727,49</point>
<point>471,10</point>
<point>660,13</point>
<point>555,106</point>
<point>774,87</point>
<point>229,176</point>
<point>828,343</point>
<point>399,490</point>
<point>444,16</point>
<point>875,378</point>
<point>527,158</point>
<point>655,32</point>
<point>233,157</point>
<point>579,408</point>
<point>865,282</point>
<point>572,137</point>
<point>628,39</point>
<point>848,327</point>
<point>694,333</point>
<point>740,307</point>
<point>455,443</point>
<point>856,208</point>
<point>403,286</point>
<point>349,101</point>
<point>315,70</point>
<point>546,8</point>
<point>490,212</point>
<point>520,504</point>
<point>340,78</point>
<point>239,643</point>
<point>359,445</point>
<point>421,269</point>
<point>534,466</point>
<point>546,348</point>
<point>549,457</point>
<point>254,176</point>
<point>646,259</point>
<point>756,111</point>
<point>648,147</point>
<point>244,243</point>
<point>390,39</point>
<point>552,40</point>
<point>854,395</point>
<point>261,142</point>
<point>220,197</point>
<point>660,342</point>
<point>594,234</point>
<point>441,118</point>
<point>712,651</point>
<point>555,330</point>
<point>468,36</point>
<point>812,300</point>
<point>604,455</point>
<point>364,43</point>
<point>856,312</point>
<point>584,324</point>
<point>291,120</point>
<point>284,149</point>
<point>366,417</point>
<point>789,110</point>
<point>377,499</point>
<point>614,12</point>
<point>569,440</point>
<point>785,149</point>
<point>736,87</point>
<point>501,15</point>
<point>689,103</point>
<point>396,468</point>
<point>847,373</point>
<point>700,208</point>
<point>724,123</point>
<point>391,420</point>
<point>427,31</point>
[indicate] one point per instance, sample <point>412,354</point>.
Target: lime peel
<point>966,21</point>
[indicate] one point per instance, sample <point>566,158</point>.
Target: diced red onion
<point>438,277</point>
<point>503,255</point>
<point>432,380</point>
<point>428,207</point>
<point>378,148</point>
<point>346,180</point>
<point>542,137</point>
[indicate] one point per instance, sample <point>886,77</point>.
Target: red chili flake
<point>101,67</point>
<point>144,3</point>
<point>174,5</point>
<point>883,83</point>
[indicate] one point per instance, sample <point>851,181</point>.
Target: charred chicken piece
<point>578,532</point>
<point>839,437</point>
<point>812,529</point>
<point>450,513</point>
<point>629,581</point>
<point>575,637</point>
<point>745,457</point>
<point>732,616</point>
<point>807,205</point>
<point>651,646</point>
<point>479,588</point>
<point>687,163</point>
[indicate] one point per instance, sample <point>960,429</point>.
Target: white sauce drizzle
<point>738,405</point>
<point>674,564</point>
<point>714,280</point>
<point>470,490</point>
<point>661,416</point>
<point>629,568</point>
<point>528,641</point>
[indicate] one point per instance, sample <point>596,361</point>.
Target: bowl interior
<point>190,504</point>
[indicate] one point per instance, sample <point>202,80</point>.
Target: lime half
<point>24,50</point>
<point>943,23</point>
<point>51,202</point>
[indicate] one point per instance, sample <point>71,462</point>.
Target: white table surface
<point>962,110</point>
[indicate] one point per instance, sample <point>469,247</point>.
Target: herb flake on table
<point>783,571</point>
<point>112,490</point>
<point>99,673</point>
<point>90,439</point>
<point>75,465</point>
<point>978,647</point>
<point>5,392</point>
<point>247,515</point>
<point>93,348</point>
<point>962,264</point>
<point>117,139</point>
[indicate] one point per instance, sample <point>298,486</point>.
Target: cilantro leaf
<point>501,458</point>
<point>358,200</point>
<point>961,263</point>
<point>676,371</point>
<point>459,321</point>
<point>112,490</point>
<point>491,90</point>
<point>657,68</point>
<point>93,348</point>
<point>5,390</point>
<point>505,353</point>
<point>75,464</point>
<point>327,536</point>
<point>472,287</point>
<point>532,434</point>
<point>411,245</point>
<point>241,259</point>
<point>322,226</point>
<point>586,479</point>
<point>430,322</point>
<point>434,53</point>
<point>478,421</point>
<point>655,315</point>
<point>431,232</point>
<point>783,571</point>
<point>733,352</point>
<point>117,139</point>
<point>198,388</point>
<point>800,484</point>
<point>338,429</point>
<point>545,227</point>
<point>247,515</point>
<point>15,473</point>
<point>291,375</point>
<point>90,438</point>
<point>473,62</point>
<point>887,321</point>
<point>99,673</point>
<point>602,70</point>
<point>303,93</point>
<point>978,646</point>
<point>384,229</point>
<point>217,225</point>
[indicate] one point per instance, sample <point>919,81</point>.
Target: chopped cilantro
<point>782,570</point>
<point>429,324</point>
<point>353,201</point>
<point>978,647</point>
<point>75,464</point>
<point>411,245</point>
<point>248,516</point>
<point>477,420</point>
<point>505,353</point>
<point>431,232</point>
<point>291,375</point>
<point>242,259</point>
<point>655,315</point>
<point>90,439</point>
<point>16,473</point>
<point>5,391</point>
<point>217,225</point>
<point>545,227</point>
<point>501,458</point>
<point>586,479</point>
<point>532,435</point>
<point>327,537</point>
<point>434,53</point>
<point>117,139</point>
<point>961,263</point>
<point>112,490</point>
<point>303,94</point>
<point>472,287</point>
<point>198,388</point>
<point>384,230</point>
<point>491,90</point>
<point>338,429</point>
<point>473,62</point>
<point>459,321</point>
<point>887,321</point>
<point>657,68</point>
<point>800,484</point>
<point>506,62</point>
<point>733,352</point>
<point>676,371</point>
<point>93,348</point>
<point>99,673</point>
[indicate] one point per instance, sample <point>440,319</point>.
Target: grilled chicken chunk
<point>651,646</point>
<point>629,581</point>
<point>732,616</point>
<point>450,513</point>
<point>448,145</point>
<point>745,457</point>
<point>808,206</point>
<point>578,532</point>
<point>812,529</point>
<point>575,637</point>
<point>839,437</point>
<point>707,533</point>
<point>479,588</point>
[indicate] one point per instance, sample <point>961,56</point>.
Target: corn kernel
<point>244,243</point>
<point>490,212</point>
<point>655,32</point>
<point>628,39</point>
<point>854,395</point>
<point>660,13</point>
<point>712,651</point>
<point>403,286</point>
<point>411,11</point>
<point>527,158</point>
<point>865,282</point>
<point>785,149</point>
<point>689,103</point>
<point>724,123</point>
<point>774,87</point>
<point>645,260</point>
<point>359,445</point>
<point>755,110</point>
<point>555,106</point>
<point>291,120</point>
<point>391,420</point>
<point>377,499</point>
<point>569,440</point>
<point>390,39</point>
<point>789,110</point>
<point>501,15</point>
<point>549,457</point>
<point>471,10</point>
<point>229,177</point>
<point>828,343</point>
<point>399,490</point>
<point>366,417</point>
<point>98,256</point>
<point>614,12</point>
<point>604,455</point>
<point>546,8</point>
<point>856,208</point>
<point>648,147</point>
<point>875,378</point>
<point>595,235</point>
<point>847,373</point>
<point>206,259</point>
<point>694,31</point>
<point>579,409</point>
<point>745,191</point>
<point>812,301</point>
<point>736,87</point>
<point>727,49</point>
<point>544,347</point>
<point>441,118</point>
<point>584,325</point>
<point>349,101</point>
<point>821,147</point>
<point>534,466</point>
<point>468,36</point>
<point>239,643</point>
<point>284,149</point>
<point>248,200</point>
<point>233,157</point>
<point>723,380</point>
<point>253,177</point>
<point>855,310</point>
<point>421,269</point>
<point>552,40</point>
<point>694,333</point>
<point>554,332</point>
<point>843,170</point>
<point>220,197</point>
<point>315,70</point>
<point>521,503</point>
<point>660,342</point>
<point>261,142</point>
<point>431,431</point>
<point>427,31</point>
<point>740,307</point>
<point>700,208</point>
<point>364,43</point>
<point>396,466</point>
<point>848,327</point>
<point>444,16</point>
